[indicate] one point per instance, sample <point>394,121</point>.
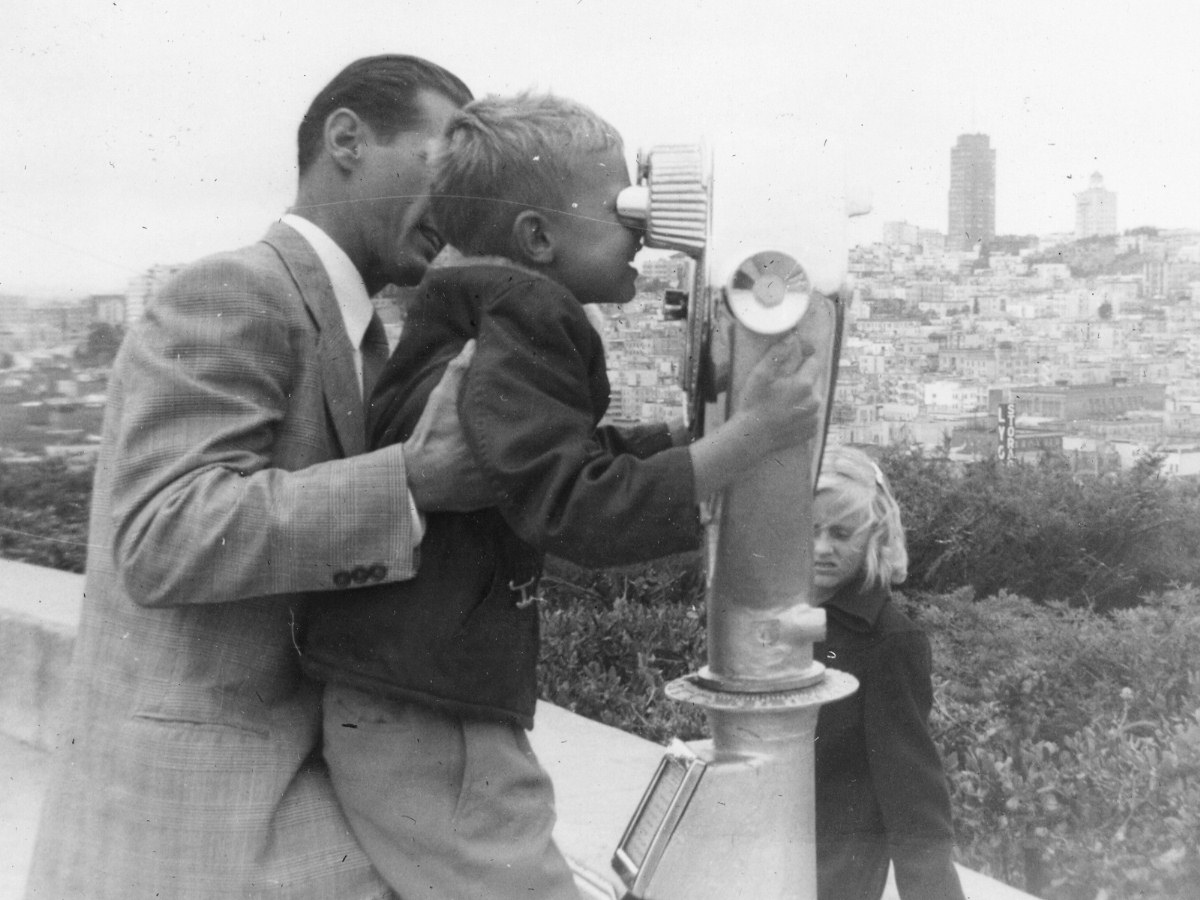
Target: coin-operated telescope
<point>734,816</point>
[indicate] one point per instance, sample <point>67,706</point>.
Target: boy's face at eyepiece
<point>593,250</point>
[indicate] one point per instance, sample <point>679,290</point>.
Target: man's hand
<point>441,472</point>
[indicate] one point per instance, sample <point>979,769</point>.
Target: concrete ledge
<point>39,615</point>
<point>599,772</point>
<point>599,775</point>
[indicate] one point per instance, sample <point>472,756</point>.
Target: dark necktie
<point>374,355</point>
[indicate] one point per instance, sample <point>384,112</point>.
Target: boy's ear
<point>532,238</point>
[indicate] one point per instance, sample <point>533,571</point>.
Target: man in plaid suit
<point>231,482</point>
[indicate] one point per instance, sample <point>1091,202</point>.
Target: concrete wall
<point>39,614</point>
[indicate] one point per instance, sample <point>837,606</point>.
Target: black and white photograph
<point>610,450</point>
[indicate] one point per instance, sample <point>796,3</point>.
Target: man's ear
<point>345,135</point>
<point>532,238</point>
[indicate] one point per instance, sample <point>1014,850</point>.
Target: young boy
<point>431,683</point>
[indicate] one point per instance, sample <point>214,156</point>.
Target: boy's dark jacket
<point>458,635</point>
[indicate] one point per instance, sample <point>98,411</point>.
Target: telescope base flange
<point>733,816</point>
<point>828,686</point>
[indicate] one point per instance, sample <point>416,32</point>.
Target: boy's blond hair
<point>502,155</point>
<point>858,480</point>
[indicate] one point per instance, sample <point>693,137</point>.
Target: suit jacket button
<point>378,572</point>
<point>359,575</point>
<point>341,579</point>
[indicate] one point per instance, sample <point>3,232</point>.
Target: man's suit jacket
<point>227,487</point>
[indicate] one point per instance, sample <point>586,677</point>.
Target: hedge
<point>43,513</point>
<point>1045,532</point>
<point>1037,530</point>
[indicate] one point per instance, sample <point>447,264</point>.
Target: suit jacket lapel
<point>343,398</point>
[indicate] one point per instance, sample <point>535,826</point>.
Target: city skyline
<point>181,122</point>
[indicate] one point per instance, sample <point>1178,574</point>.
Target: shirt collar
<point>862,607</point>
<point>348,287</point>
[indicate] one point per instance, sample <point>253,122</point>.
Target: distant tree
<point>101,347</point>
<point>1105,311</point>
<point>43,513</point>
<point>1038,530</point>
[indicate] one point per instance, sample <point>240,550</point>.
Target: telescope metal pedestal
<point>733,816</point>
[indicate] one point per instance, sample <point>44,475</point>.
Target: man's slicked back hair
<point>384,91</point>
<point>502,155</point>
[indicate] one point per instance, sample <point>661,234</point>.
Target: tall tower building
<point>972,192</point>
<point>1095,210</point>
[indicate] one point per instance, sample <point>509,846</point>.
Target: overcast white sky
<point>138,131</point>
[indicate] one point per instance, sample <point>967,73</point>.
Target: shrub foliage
<point>1041,532</point>
<point>1072,741</point>
<point>43,513</point>
<point>611,641</point>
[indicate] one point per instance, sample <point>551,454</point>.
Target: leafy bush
<point>1072,741</point>
<point>611,640</point>
<point>1034,530</point>
<point>1038,531</point>
<point>43,513</point>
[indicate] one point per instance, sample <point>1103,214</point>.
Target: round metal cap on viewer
<point>769,293</point>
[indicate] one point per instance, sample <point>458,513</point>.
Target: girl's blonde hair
<point>857,480</point>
